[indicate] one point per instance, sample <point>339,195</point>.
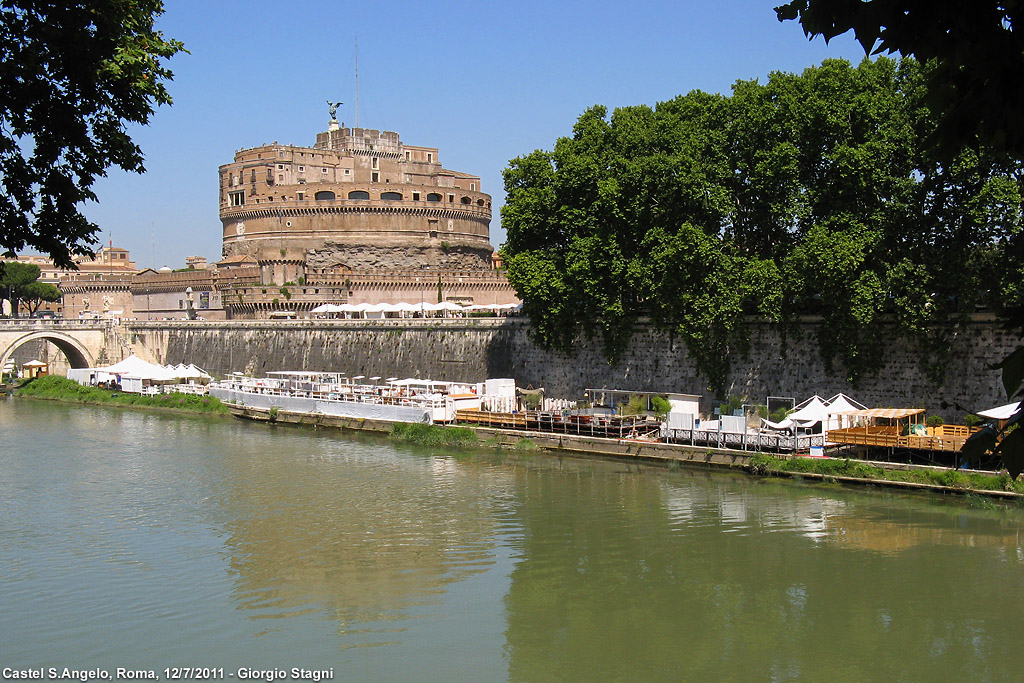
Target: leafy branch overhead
<point>815,193</point>
<point>74,75</point>
<point>975,57</point>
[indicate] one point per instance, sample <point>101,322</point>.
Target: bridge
<point>85,343</point>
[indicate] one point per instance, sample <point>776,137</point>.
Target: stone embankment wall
<point>473,349</point>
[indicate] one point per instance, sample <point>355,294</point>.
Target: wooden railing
<point>949,438</point>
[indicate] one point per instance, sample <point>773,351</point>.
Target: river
<point>144,541</point>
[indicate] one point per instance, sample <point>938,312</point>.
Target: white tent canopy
<point>810,411</point>
<point>134,366</point>
<point>841,403</point>
<point>837,406</point>
<point>404,307</point>
<point>1002,412</point>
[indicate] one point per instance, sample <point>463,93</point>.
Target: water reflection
<point>653,576</point>
<point>905,522</point>
<point>356,530</point>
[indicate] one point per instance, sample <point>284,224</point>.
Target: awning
<point>1002,412</point>
<point>886,413</point>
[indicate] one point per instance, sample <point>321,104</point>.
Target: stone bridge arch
<point>77,354</point>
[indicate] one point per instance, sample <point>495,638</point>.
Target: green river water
<point>145,541</point>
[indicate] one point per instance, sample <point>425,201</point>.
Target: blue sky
<point>483,82</point>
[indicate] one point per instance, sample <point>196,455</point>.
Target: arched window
<point>479,202</point>
<point>358,194</point>
<point>433,197</point>
<point>466,200</point>
<point>324,195</point>
<point>391,196</point>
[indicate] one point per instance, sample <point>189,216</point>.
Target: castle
<point>359,199</point>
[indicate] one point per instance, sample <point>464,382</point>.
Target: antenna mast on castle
<point>357,81</point>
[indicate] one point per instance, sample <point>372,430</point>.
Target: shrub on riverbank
<point>768,464</point>
<point>55,388</point>
<point>433,435</point>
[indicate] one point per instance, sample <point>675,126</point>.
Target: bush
<point>532,401</point>
<point>763,463</point>
<point>433,435</point>
<point>637,404</point>
<point>660,406</point>
<point>56,388</point>
<point>935,421</point>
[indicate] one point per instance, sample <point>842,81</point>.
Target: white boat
<point>327,393</point>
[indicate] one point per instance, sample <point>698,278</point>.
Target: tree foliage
<point>19,282</point>
<point>811,193</point>
<point>976,58</point>
<point>74,75</point>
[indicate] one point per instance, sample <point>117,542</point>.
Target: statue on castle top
<point>334,109</point>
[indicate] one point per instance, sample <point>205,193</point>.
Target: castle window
<point>374,163</point>
<point>237,198</point>
<point>375,178</point>
<point>451,198</point>
<point>358,194</point>
<point>280,167</point>
<point>324,195</point>
<point>324,171</point>
<point>479,202</point>
<point>391,196</point>
<point>252,176</point>
<point>302,169</point>
<point>466,200</point>
<point>347,171</point>
<point>280,178</point>
<point>430,158</point>
<point>301,196</point>
<point>472,186</point>
<point>433,197</point>
<point>407,156</point>
<point>415,196</point>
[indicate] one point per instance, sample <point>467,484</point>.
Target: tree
<point>34,294</point>
<point>975,58</point>
<point>811,193</point>
<point>14,279</point>
<point>74,75</point>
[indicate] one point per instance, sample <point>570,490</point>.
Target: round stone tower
<point>358,199</point>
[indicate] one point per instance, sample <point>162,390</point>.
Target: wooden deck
<point>947,438</point>
<point>611,426</point>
